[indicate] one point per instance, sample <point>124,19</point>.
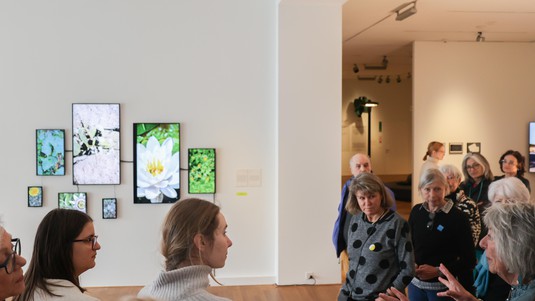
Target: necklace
<point>380,217</point>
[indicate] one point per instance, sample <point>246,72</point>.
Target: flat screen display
<point>201,170</point>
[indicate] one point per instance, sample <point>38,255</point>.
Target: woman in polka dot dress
<point>379,242</point>
<point>441,233</point>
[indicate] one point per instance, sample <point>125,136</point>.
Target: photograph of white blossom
<point>109,208</point>
<point>73,200</point>
<point>96,144</point>
<point>156,162</point>
<point>35,196</point>
<point>50,149</point>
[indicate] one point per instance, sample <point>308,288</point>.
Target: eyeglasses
<point>91,239</point>
<point>473,166</point>
<point>10,262</point>
<point>431,221</point>
<point>511,162</point>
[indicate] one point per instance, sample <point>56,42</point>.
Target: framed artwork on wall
<point>50,152</point>
<point>473,147</point>
<point>456,148</point>
<point>201,170</point>
<point>73,200</point>
<point>156,162</point>
<point>35,196</point>
<point>96,141</point>
<point>109,208</point>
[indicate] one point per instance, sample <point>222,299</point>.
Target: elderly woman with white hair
<point>441,233</point>
<point>489,286</point>
<point>510,251</point>
<point>461,200</point>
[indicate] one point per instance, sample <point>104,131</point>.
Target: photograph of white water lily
<point>157,162</point>
<point>96,141</point>
<point>50,149</point>
<point>109,208</point>
<point>35,196</point>
<point>73,200</point>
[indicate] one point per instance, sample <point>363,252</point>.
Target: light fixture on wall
<point>382,66</point>
<point>405,10</point>
<point>365,105</point>
<point>480,37</point>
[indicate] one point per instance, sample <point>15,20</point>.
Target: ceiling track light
<point>402,12</point>
<point>388,79</point>
<point>380,80</point>
<point>383,66</point>
<point>480,37</point>
<point>398,79</point>
<point>355,68</point>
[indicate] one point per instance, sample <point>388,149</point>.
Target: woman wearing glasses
<point>477,178</point>
<point>11,263</point>
<point>65,246</point>
<point>512,164</point>
<point>194,241</point>
<point>441,233</point>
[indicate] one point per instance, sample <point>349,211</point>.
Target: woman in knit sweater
<point>194,241</point>
<point>379,242</point>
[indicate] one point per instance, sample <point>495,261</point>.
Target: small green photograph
<point>201,170</point>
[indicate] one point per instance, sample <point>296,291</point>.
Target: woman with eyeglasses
<point>194,241</point>
<point>513,164</point>
<point>11,263</point>
<point>441,233</point>
<point>477,178</point>
<point>65,246</point>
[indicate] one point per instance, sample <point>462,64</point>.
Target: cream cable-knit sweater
<point>184,284</point>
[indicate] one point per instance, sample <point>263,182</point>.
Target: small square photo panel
<point>109,208</point>
<point>73,200</point>
<point>35,196</point>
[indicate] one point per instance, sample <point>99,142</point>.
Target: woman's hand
<point>426,272</point>
<point>455,289</point>
<point>392,294</point>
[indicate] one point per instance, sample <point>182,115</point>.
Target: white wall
<point>309,139</point>
<point>212,66</point>
<point>473,92</point>
<point>391,149</point>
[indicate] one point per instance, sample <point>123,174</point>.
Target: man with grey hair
<point>359,163</point>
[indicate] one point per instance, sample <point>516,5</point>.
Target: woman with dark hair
<point>378,242</point>
<point>65,246</point>
<point>194,241</point>
<point>441,233</point>
<point>11,263</point>
<point>513,164</point>
<point>435,153</point>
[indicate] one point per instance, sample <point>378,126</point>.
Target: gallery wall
<point>473,92</point>
<point>391,147</point>
<point>213,67</point>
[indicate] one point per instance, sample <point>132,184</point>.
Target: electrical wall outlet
<point>309,275</point>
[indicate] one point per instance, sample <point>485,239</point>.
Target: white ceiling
<point>366,39</point>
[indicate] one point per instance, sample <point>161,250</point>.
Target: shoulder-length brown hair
<point>186,219</point>
<point>367,183</point>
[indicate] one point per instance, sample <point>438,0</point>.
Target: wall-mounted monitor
<point>201,170</point>
<point>156,163</point>
<point>73,200</point>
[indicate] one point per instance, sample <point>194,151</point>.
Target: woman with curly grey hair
<point>510,251</point>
